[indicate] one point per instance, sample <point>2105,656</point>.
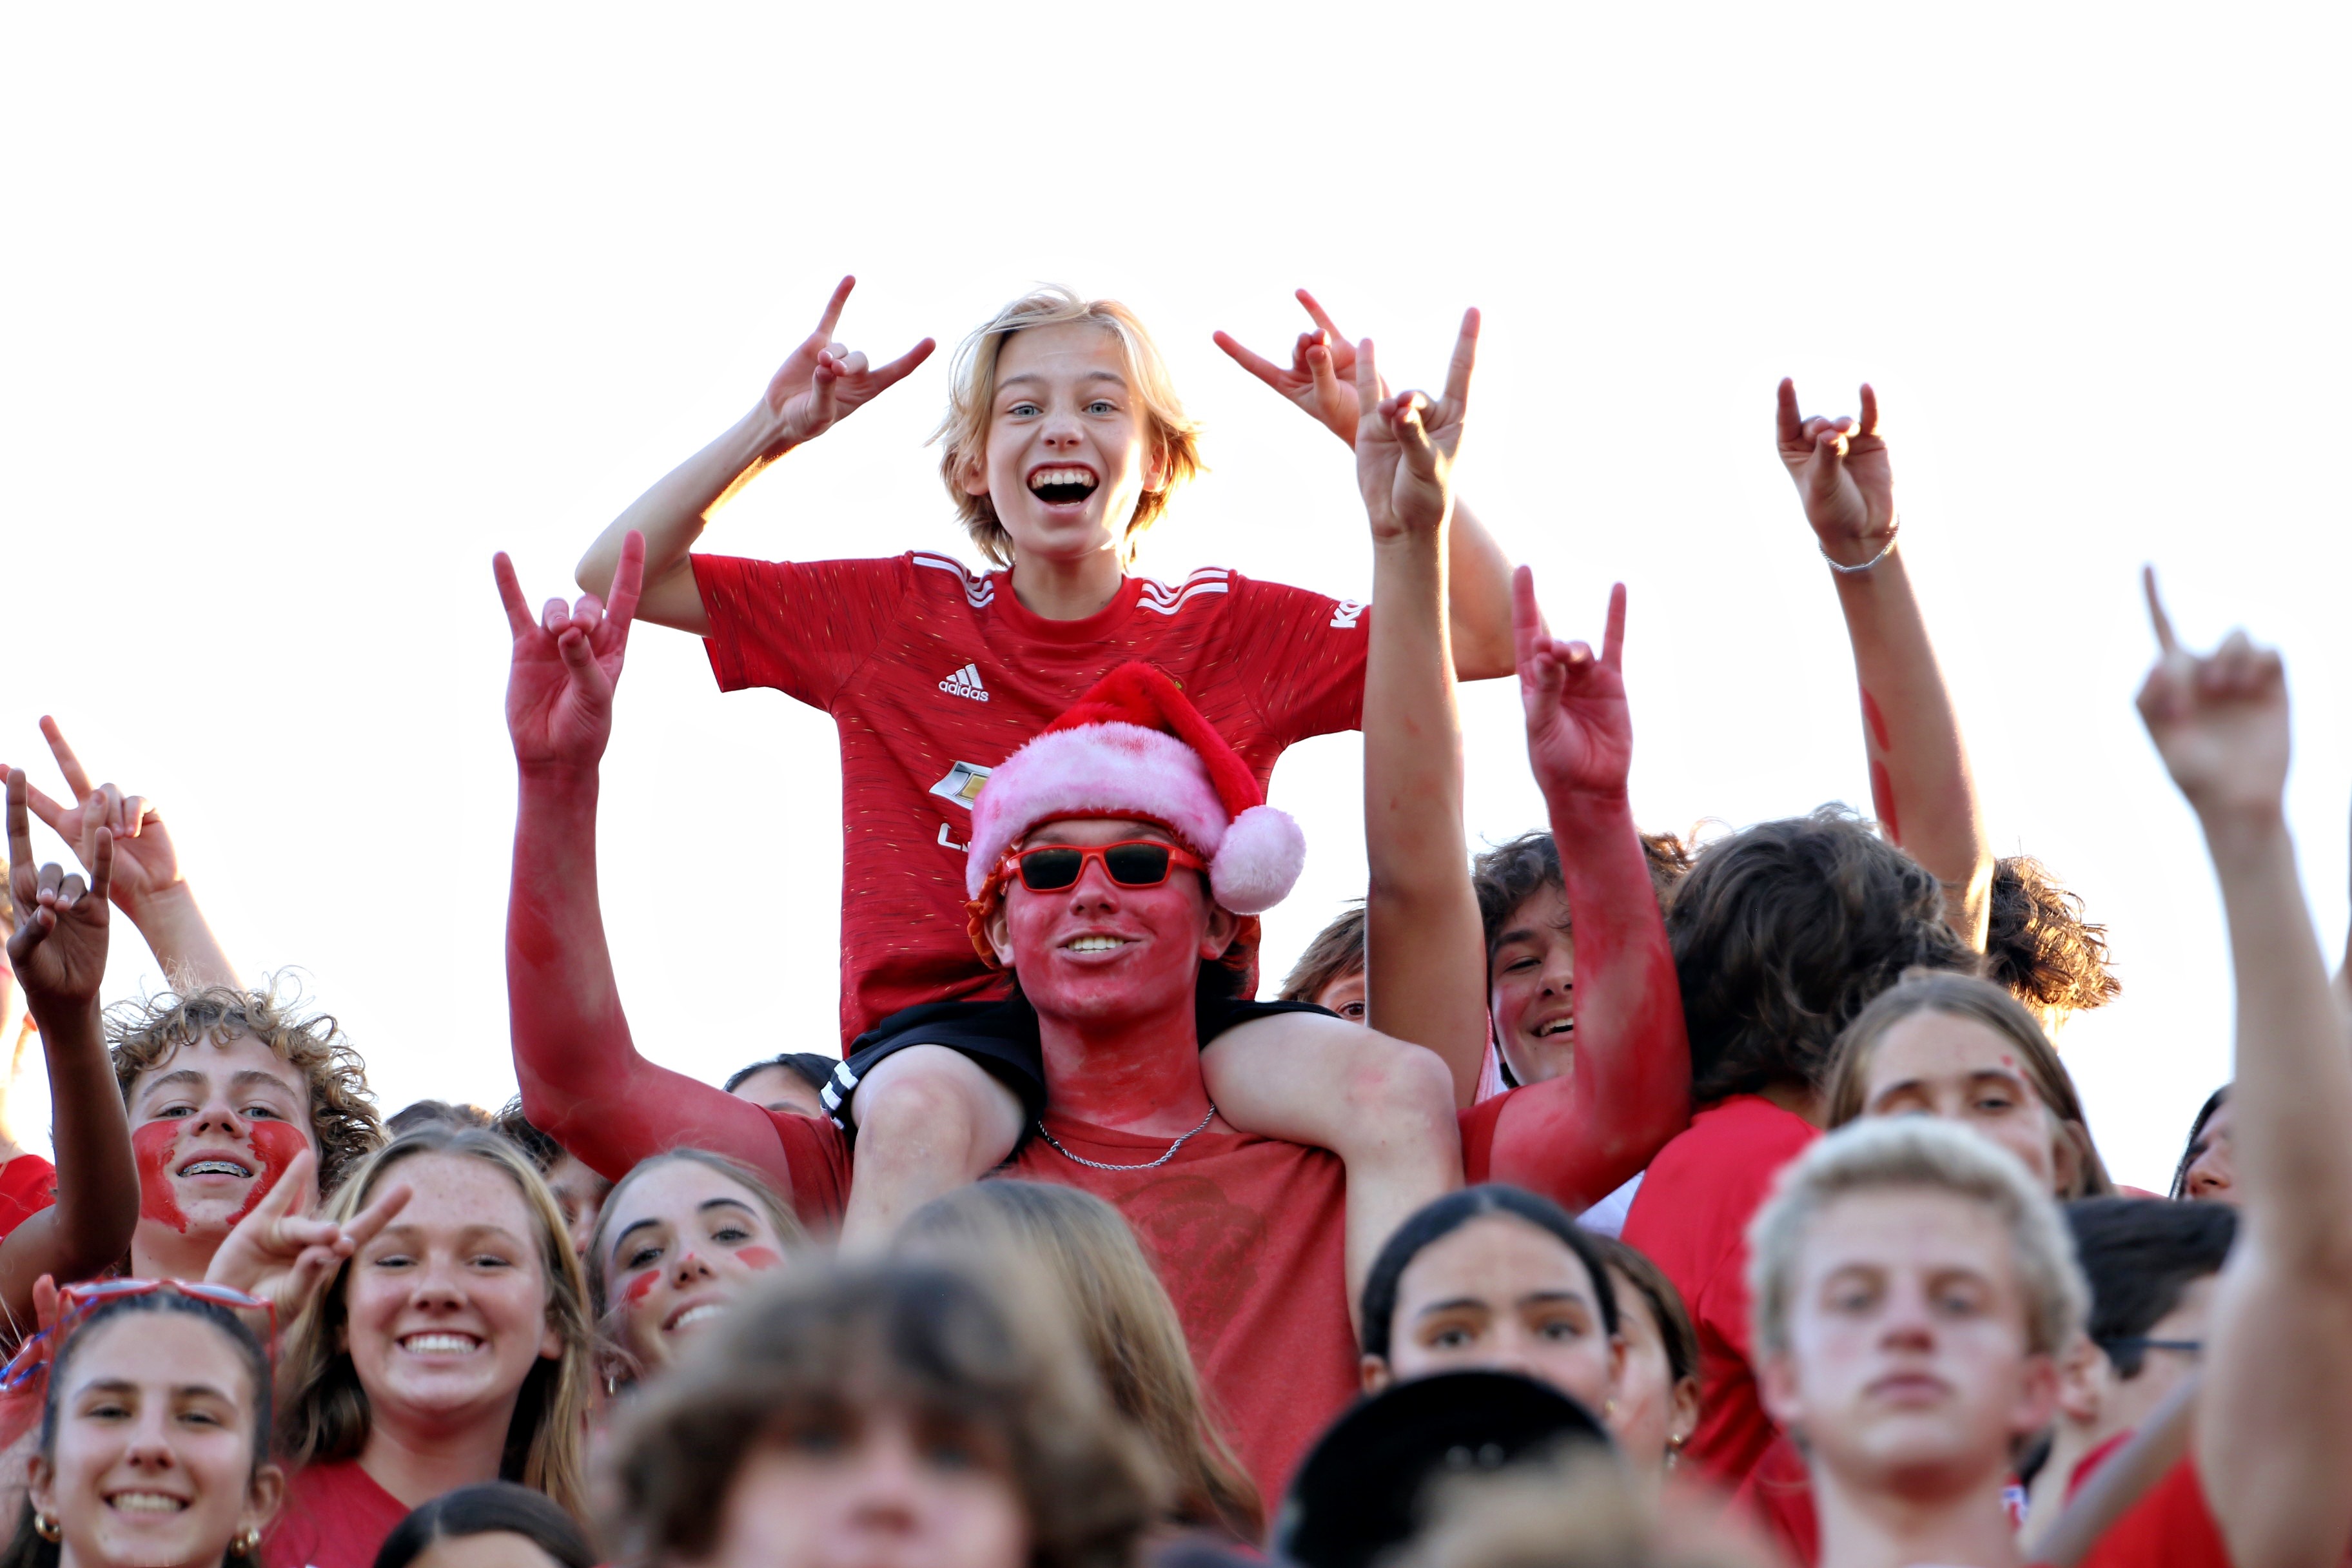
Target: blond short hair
<point>1917,1153</point>
<point>972,392</point>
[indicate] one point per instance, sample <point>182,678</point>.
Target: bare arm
<point>2274,1426</point>
<point>583,1081</point>
<point>1577,1137</point>
<point>58,952</point>
<point>148,884</point>
<point>823,381</point>
<point>1321,379</point>
<point>1425,965</point>
<point>1920,785</point>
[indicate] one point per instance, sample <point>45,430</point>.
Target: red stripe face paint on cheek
<point>275,1145</point>
<point>639,1286</point>
<point>759,1257</point>
<point>152,1145</point>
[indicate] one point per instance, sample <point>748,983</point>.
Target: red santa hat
<point>1136,747</point>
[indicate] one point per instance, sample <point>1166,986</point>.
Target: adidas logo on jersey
<point>966,683</point>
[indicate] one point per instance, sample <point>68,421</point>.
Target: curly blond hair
<point>142,1035</point>
<point>971,388</point>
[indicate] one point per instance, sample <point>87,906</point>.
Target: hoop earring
<point>245,1543</point>
<point>46,1527</point>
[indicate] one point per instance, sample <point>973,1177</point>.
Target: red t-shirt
<point>2171,1526</point>
<point>335,1516</point>
<point>27,1185</point>
<point>1691,1218</point>
<point>935,676</point>
<point>1248,1235</point>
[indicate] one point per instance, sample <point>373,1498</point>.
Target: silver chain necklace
<point>1147,1165</point>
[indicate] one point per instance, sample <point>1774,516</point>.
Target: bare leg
<point>929,1120</point>
<point>1385,1107</point>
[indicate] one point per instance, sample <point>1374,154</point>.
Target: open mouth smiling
<point>689,1317</point>
<point>211,1165</point>
<point>1063,485</point>
<point>146,1502</point>
<point>440,1342</point>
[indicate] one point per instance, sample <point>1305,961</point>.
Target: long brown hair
<point>1981,1002</point>
<point>1081,1247</point>
<point>324,1411</point>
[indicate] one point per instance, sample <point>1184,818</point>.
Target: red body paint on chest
<point>275,1145</point>
<point>758,1256</point>
<point>640,1285</point>
<point>152,1145</point>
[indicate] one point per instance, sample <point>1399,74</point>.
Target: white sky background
<point>304,312</point>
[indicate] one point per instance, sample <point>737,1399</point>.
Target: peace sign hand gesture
<point>566,663</point>
<point>59,948</point>
<point>145,862</point>
<point>1322,376</point>
<point>1580,727</point>
<point>283,1253</point>
<point>1841,471</point>
<point>823,382</point>
<point>1406,446</point>
<point>2220,721</point>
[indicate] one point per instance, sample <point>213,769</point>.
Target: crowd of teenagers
<point>1605,1198</point>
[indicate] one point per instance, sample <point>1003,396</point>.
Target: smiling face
<point>879,1486</point>
<point>1907,1370</point>
<point>1532,988</point>
<point>682,1244</point>
<point>1096,952</point>
<point>1069,449</point>
<point>1498,1294</point>
<point>1958,1069</point>
<point>446,1309</point>
<point>153,1460</point>
<point>213,1126</point>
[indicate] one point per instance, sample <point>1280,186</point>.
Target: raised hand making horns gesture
<point>1406,445</point>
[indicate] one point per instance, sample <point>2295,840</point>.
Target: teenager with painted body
<point>153,1446</point>
<point>1899,1324</point>
<point>1250,1235</point>
<point>678,1241</point>
<point>56,949</point>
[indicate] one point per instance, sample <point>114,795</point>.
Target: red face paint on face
<point>152,1145</point>
<point>757,1257</point>
<point>640,1285</point>
<point>275,1146</point>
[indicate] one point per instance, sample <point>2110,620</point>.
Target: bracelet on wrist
<point>1886,550</point>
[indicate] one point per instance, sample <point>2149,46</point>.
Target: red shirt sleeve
<point>1308,652</point>
<point>816,1155</point>
<point>1477,1125</point>
<point>2171,1526</point>
<point>803,628</point>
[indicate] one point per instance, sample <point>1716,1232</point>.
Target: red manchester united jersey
<point>935,676</point>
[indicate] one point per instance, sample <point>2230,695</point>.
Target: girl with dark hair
<point>155,1433</point>
<point>503,1525</point>
<point>680,1236</point>
<point>1497,1278</point>
<point>2206,1173</point>
<point>1656,1406</point>
<point>1964,1049</point>
<point>450,1348</point>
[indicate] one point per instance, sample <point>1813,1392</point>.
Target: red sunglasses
<point>1129,863</point>
<point>76,1303</point>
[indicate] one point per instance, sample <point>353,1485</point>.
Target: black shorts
<point>1002,1037</point>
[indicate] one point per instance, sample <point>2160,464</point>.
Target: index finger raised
<point>832,317</point>
<point>520,620</point>
<point>69,764</point>
<point>1322,317</point>
<point>2165,640</point>
<point>362,1228</point>
<point>628,582</point>
<point>1612,636</point>
<point>1465,356</point>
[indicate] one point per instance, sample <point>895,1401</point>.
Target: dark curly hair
<point>1781,933</point>
<point>2040,947</point>
<point>1510,874</point>
<point>141,1036</point>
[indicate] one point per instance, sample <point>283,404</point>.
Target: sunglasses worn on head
<point>1130,863</point>
<point>76,1303</point>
